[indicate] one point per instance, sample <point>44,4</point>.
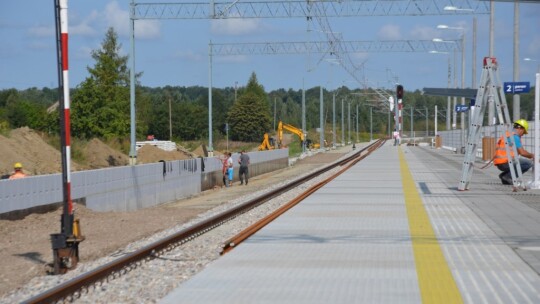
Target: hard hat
<point>523,123</point>
<point>17,166</point>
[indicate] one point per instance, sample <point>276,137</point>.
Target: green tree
<point>101,105</point>
<point>192,122</point>
<point>255,88</point>
<point>8,96</point>
<point>220,107</point>
<point>249,117</point>
<point>26,114</point>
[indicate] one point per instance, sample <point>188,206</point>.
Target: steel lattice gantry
<point>284,48</point>
<point>320,9</point>
<point>325,47</point>
<point>303,8</point>
<point>328,47</point>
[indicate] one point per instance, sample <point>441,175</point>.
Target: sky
<point>175,52</point>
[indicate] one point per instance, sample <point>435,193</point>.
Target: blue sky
<point>175,52</point>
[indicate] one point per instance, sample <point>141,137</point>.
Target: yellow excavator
<point>287,127</point>
<point>267,143</point>
<point>312,145</point>
<point>283,126</point>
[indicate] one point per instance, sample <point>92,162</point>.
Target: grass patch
<point>77,146</point>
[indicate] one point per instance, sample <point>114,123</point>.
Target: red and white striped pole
<point>67,222</point>
<point>66,243</point>
<point>68,212</point>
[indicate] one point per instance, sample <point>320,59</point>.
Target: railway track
<point>73,289</point>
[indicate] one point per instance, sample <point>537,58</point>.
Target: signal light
<point>399,92</point>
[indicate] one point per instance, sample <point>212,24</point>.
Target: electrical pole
<point>491,104</point>
<point>463,86</point>
<point>235,89</point>
<point>342,123</point>
<point>357,123</point>
<point>334,121</point>
<point>210,145</point>
<point>516,99</point>
<point>321,122</point>
<point>349,122</point>
<point>304,116</point>
<point>170,120</point>
<point>274,113</point>
<point>370,124</point>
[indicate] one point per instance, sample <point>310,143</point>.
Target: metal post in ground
<point>65,244</point>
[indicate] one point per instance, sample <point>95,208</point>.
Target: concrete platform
<point>393,229</point>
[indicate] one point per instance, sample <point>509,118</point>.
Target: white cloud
<point>359,58</point>
<point>147,29</point>
<point>234,26</point>
<point>389,32</point>
<point>86,26</point>
<point>119,19</point>
<point>424,33</point>
<point>233,59</point>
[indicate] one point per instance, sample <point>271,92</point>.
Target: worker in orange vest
<point>521,127</point>
<point>18,172</point>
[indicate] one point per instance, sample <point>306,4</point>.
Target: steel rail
<point>74,288</point>
<point>246,233</point>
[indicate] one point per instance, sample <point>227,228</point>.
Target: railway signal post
<point>65,244</point>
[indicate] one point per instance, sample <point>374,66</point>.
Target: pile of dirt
<point>26,146</point>
<point>99,155</point>
<point>38,157</point>
<point>203,151</point>
<point>151,154</point>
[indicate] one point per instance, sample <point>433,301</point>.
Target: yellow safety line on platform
<point>436,282</point>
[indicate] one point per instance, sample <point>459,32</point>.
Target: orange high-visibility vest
<point>500,151</point>
<point>17,175</point>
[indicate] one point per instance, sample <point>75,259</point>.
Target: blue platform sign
<point>517,87</point>
<point>462,108</point>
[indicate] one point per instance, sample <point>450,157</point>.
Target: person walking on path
<point>500,160</point>
<point>396,138</point>
<point>18,172</point>
<point>224,170</point>
<point>230,171</point>
<point>244,170</point>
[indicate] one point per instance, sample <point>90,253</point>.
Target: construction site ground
<point>25,247</point>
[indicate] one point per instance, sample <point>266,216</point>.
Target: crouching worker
<point>501,160</point>
<point>18,172</point>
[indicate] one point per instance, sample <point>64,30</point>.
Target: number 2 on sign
<point>509,89</point>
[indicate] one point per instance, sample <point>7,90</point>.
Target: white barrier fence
<point>453,139</point>
<point>120,188</point>
<point>165,145</point>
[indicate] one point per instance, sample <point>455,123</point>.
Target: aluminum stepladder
<point>490,90</point>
